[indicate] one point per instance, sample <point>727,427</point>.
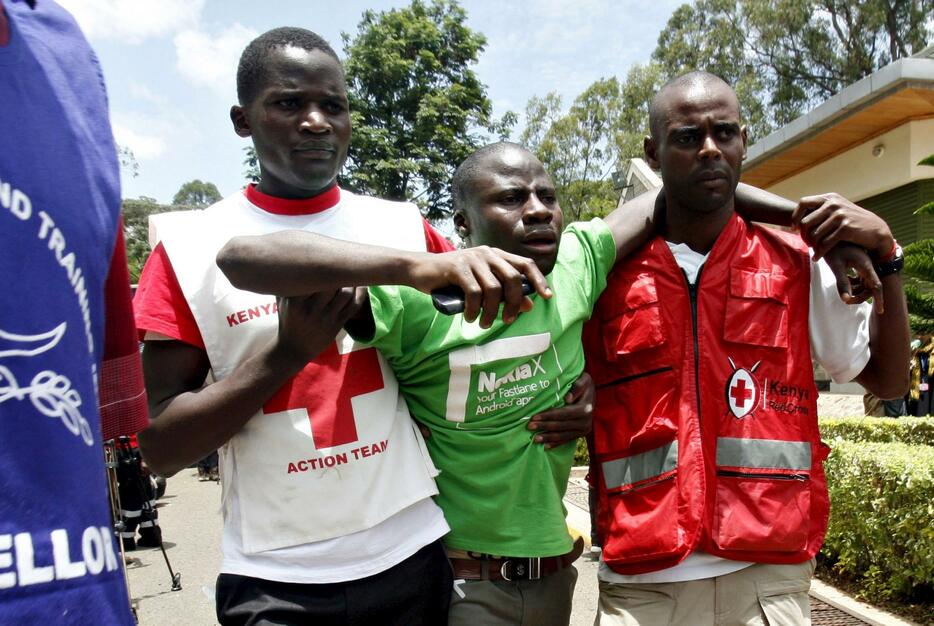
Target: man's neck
<point>274,187</point>
<point>698,230</point>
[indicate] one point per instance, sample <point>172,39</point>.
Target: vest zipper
<point>801,477</point>
<point>647,483</point>
<point>692,292</point>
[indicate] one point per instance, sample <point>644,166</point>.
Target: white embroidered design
<point>50,393</point>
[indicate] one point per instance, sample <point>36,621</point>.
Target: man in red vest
<point>706,453</point>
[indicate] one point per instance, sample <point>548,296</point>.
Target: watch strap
<point>893,265</point>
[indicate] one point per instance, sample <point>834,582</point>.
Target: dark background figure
<point>873,406</point>
<point>919,395</point>
<point>207,468</point>
<point>137,490</point>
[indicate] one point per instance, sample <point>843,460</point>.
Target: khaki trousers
<point>759,595</point>
<point>543,602</point>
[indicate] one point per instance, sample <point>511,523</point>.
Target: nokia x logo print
<point>325,388</point>
<point>742,390</point>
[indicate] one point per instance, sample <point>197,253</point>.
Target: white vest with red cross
<point>334,451</point>
<point>705,425</point>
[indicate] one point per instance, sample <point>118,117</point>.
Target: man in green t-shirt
<point>475,385</point>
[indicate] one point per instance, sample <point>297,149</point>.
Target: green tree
<point>632,123</point>
<point>136,229</point>
<point>577,148</point>
<point>919,275</point>
<point>196,193</point>
<point>417,106</point>
<point>785,56</point>
<point>581,148</point>
<point>128,163</point>
<point>251,173</point>
<point>709,35</point>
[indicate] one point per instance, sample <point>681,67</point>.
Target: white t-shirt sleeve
<point>839,332</point>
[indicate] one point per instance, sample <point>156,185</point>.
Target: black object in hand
<point>450,300</point>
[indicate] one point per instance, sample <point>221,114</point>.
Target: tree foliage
<point>577,149</point>
<point>581,148</point>
<point>417,106</point>
<point>251,173</point>
<point>785,56</point>
<point>136,230</point>
<point>129,166</point>
<point>196,193</point>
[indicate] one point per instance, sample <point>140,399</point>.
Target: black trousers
<point>415,592</point>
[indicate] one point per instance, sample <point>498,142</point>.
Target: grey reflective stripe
<point>639,467</point>
<point>764,453</point>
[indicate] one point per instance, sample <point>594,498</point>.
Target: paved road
<point>191,523</point>
<point>190,518</point>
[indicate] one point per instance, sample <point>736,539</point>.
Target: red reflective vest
<point>705,426</point>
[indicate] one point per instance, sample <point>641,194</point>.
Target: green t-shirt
<point>476,389</point>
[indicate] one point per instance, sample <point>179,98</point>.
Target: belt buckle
<point>523,569</point>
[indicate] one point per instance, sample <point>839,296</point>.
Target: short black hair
<point>690,78</point>
<point>253,60</point>
<point>467,171</point>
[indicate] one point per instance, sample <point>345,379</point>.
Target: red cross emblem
<point>742,391</point>
<point>325,388</point>
<point>739,392</point>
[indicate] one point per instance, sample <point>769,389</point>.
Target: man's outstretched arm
<point>634,223</point>
<point>290,263</point>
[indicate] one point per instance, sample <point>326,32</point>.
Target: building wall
<point>897,207</point>
<point>857,174</point>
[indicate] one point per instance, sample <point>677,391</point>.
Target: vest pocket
<point>642,504</point>
<point>756,308</point>
<point>634,340</point>
<point>763,498</point>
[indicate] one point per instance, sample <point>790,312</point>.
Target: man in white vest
<point>328,510</point>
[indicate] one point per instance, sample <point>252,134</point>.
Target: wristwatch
<point>892,265</point>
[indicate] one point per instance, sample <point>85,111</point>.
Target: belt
<point>510,568</point>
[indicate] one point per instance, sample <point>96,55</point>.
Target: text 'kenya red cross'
<point>325,387</point>
<point>739,393</point>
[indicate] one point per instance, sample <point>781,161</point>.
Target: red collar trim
<point>283,206</point>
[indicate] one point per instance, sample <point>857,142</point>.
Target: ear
<point>743,130</point>
<point>651,152</point>
<point>460,222</point>
<point>240,122</point>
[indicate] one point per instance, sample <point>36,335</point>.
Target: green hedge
<point>581,456</point>
<point>912,430</point>
<point>882,506</point>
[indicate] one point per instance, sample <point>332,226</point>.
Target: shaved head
<point>473,165</point>
<point>697,81</point>
<point>698,144</point>
<point>504,198</point>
